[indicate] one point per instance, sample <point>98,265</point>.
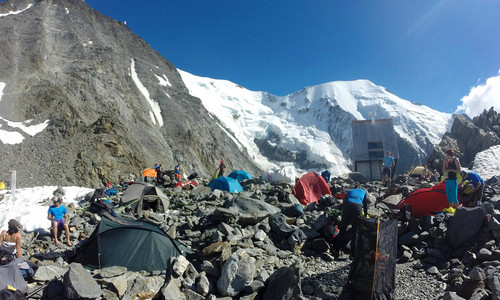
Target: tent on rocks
<point>240,175</point>
<point>132,244</point>
<point>427,201</point>
<point>225,184</point>
<point>144,196</point>
<point>310,187</point>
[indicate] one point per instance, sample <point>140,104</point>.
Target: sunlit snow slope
<point>311,128</point>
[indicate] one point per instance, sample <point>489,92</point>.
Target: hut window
<point>375,150</point>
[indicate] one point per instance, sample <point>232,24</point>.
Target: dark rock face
<point>468,137</point>
<point>101,125</point>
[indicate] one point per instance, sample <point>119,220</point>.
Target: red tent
<point>310,188</point>
<point>427,201</point>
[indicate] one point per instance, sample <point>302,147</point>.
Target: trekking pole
<point>44,286</point>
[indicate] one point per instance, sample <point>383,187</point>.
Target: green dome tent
<point>132,244</point>
<point>144,196</point>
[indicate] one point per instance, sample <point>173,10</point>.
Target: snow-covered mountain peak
<point>311,128</point>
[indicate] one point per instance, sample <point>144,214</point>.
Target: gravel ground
<point>323,279</point>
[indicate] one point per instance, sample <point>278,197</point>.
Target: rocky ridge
<point>241,236</point>
<point>468,137</point>
<point>112,105</point>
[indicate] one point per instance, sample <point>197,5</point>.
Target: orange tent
<point>149,173</point>
<point>310,188</point>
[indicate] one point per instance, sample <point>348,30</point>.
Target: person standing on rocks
<point>355,204</point>
<point>58,215</point>
<point>388,164</point>
<point>177,171</point>
<point>222,169</point>
<point>451,167</point>
<point>477,182</point>
<point>10,243</point>
<point>159,175</point>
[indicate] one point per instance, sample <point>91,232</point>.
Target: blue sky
<point>429,51</point>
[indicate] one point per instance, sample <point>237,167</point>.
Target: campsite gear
<point>186,184</point>
<point>373,270</point>
<point>192,176</point>
<point>2,185</point>
<point>149,173</point>
<point>10,275</point>
<point>310,188</point>
<point>144,196</point>
<point>240,175</point>
<point>11,293</point>
<point>101,205</point>
<point>132,244</point>
<point>417,172</point>
<point>426,201</point>
<point>225,184</point>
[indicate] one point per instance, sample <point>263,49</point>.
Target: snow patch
<point>487,162</point>
<point>14,137</point>
<point>155,114</point>
<point>16,12</point>
<point>30,205</point>
<point>163,80</point>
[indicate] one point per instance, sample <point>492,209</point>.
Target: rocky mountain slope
<point>84,100</point>
<point>468,137</point>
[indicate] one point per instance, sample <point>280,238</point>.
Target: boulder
<point>464,225</point>
<point>238,272</point>
<point>284,284</point>
<point>78,283</point>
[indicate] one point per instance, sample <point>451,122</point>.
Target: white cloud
<point>482,97</point>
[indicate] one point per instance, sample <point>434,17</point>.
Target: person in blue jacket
<point>477,182</point>
<point>326,175</point>
<point>355,203</point>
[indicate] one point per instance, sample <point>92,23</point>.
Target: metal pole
<point>13,185</point>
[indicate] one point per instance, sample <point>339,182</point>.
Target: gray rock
<point>464,225</point>
<point>238,271</point>
<point>172,291</point>
<point>260,235</point>
<point>210,268</point>
<point>433,270</point>
<point>79,283</point>
<point>484,254</point>
<point>203,285</point>
<point>494,285</point>
<point>284,284</point>
<point>111,271</point>
<point>46,273</point>
<point>451,296</point>
<point>477,274</point>
<point>192,295</point>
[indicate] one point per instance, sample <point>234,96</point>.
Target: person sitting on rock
<point>10,243</point>
<point>355,204</point>
<point>58,215</point>
<point>478,186</point>
<point>426,174</point>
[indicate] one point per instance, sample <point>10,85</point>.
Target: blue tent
<point>240,175</point>
<point>225,184</point>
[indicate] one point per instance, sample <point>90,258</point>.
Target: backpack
<point>405,212</point>
<point>8,294</point>
<point>102,205</point>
